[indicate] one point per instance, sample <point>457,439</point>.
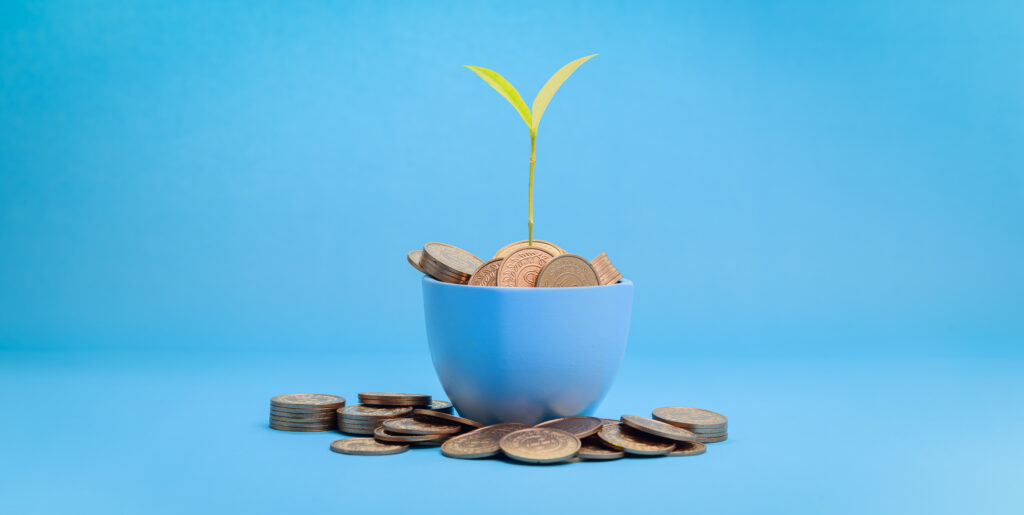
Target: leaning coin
<point>567,270</point>
<point>582,427</point>
<point>433,416</point>
<point>366,447</point>
<point>486,274</point>
<point>591,450</point>
<point>539,445</point>
<point>521,267</point>
<point>383,435</point>
<point>306,400</point>
<point>479,443</point>
<point>414,257</point>
<point>634,442</point>
<point>656,428</point>
<point>443,406</point>
<point>451,259</point>
<point>690,417</point>
<point>688,449</point>
<point>411,426</point>
<point>522,244</point>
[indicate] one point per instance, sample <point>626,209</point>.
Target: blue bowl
<point>526,354</point>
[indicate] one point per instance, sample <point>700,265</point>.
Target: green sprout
<point>532,119</point>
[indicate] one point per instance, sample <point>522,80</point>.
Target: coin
<point>288,423</point>
<point>394,399</point>
<point>366,447</point>
<point>713,439</point>
<point>690,417</point>
<point>609,422</point>
<point>414,258</point>
<point>429,416</point>
<point>443,406</point>
<point>567,270</point>
<point>505,251</point>
<point>581,427</point>
<point>449,261</point>
<point>358,411</point>
<point>285,420</point>
<point>479,443</point>
<point>709,432</point>
<point>300,429</point>
<point>521,267</point>
<point>688,449</point>
<point>383,435</point>
<point>304,411</point>
<point>303,416</point>
<point>539,445</point>
<point>606,271</point>
<point>621,437</point>
<point>657,428</point>
<point>486,274</point>
<point>411,426</point>
<point>590,450</point>
<point>305,400</point>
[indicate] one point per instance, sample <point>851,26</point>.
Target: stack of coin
<point>606,271</point>
<point>707,426</point>
<point>447,263</point>
<point>363,420</point>
<point>417,400</point>
<point>304,411</point>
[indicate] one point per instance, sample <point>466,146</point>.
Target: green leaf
<point>541,102</point>
<point>507,90</point>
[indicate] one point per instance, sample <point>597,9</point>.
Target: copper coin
<point>300,429</point>
<point>284,409</point>
<point>621,437</point>
<point>358,411</point>
<point>414,258</point>
<point>479,443</point>
<point>688,449</point>
<point>539,445</point>
<point>713,439</point>
<point>434,416</point>
<point>486,274</point>
<point>690,417</point>
<point>590,450</point>
<point>287,420</point>
<point>521,267</point>
<point>287,423</point>
<point>307,400</point>
<point>383,435</point>
<point>567,270</point>
<point>366,447</point>
<point>582,427</point>
<point>656,428</point>
<point>605,269</point>
<point>438,405</point>
<point>609,422</point>
<point>451,260</point>
<point>394,399</point>
<point>505,251</point>
<point>410,426</point>
<point>709,432</point>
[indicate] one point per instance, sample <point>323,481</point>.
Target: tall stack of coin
<point>606,271</point>
<point>363,420</point>
<point>707,426</point>
<point>304,411</point>
<point>447,263</point>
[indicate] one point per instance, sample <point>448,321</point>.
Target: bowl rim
<point>624,283</point>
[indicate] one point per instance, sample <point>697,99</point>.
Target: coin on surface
<point>414,258</point>
<point>553,249</point>
<point>581,427</point>
<point>383,435</point>
<point>609,422</point>
<point>714,439</point>
<point>305,400</point>
<point>621,437</point>
<point>690,417</point>
<point>394,399</point>
<point>709,432</point>
<point>539,445</point>
<point>286,420</point>
<point>444,406</point>
<point>410,426</point>
<point>656,428</point>
<point>358,411</point>
<point>299,429</point>
<point>435,416</point>
<point>486,274</point>
<point>449,260</point>
<point>367,447</point>
<point>567,270</point>
<point>591,450</point>
<point>479,443</point>
<point>521,267</point>
<point>688,449</point>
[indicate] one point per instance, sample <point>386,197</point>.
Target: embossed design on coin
<point>591,450</point>
<point>306,400</point>
<point>581,427</point>
<point>520,268</point>
<point>540,445</point>
<point>437,416</point>
<point>411,426</point>
<point>479,443</point>
<point>505,251</point>
<point>634,442</point>
<point>486,274</point>
<point>414,258</point>
<point>690,417</point>
<point>688,449</point>
<point>567,270</point>
<point>656,428</point>
<point>366,447</point>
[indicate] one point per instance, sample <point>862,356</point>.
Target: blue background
<point>820,203</point>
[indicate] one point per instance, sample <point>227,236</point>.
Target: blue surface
<point>820,204</point>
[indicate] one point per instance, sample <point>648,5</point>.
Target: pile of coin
<point>304,412</point>
<point>519,264</point>
<point>707,426</point>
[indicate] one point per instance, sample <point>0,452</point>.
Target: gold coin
<point>358,411</point>
<point>412,426</point>
<point>539,445</point>
<point>479,443</point>
<point>688,449</point>
<point>690,418</point>
<point>521,267</point>
<point>414,258</point>
<point>434,416</point>
<point>394,399</point>
<point>383,435</point>
<point>657,428</point>
<point>451,260</point>
<point>366,447</point>
<point>567,270</point>
<point>307,400</point>
<point>486,274</point>
<point>581,427</point>
<point>621,437</point>
<point>524,244</point>
<point>590,450</point>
